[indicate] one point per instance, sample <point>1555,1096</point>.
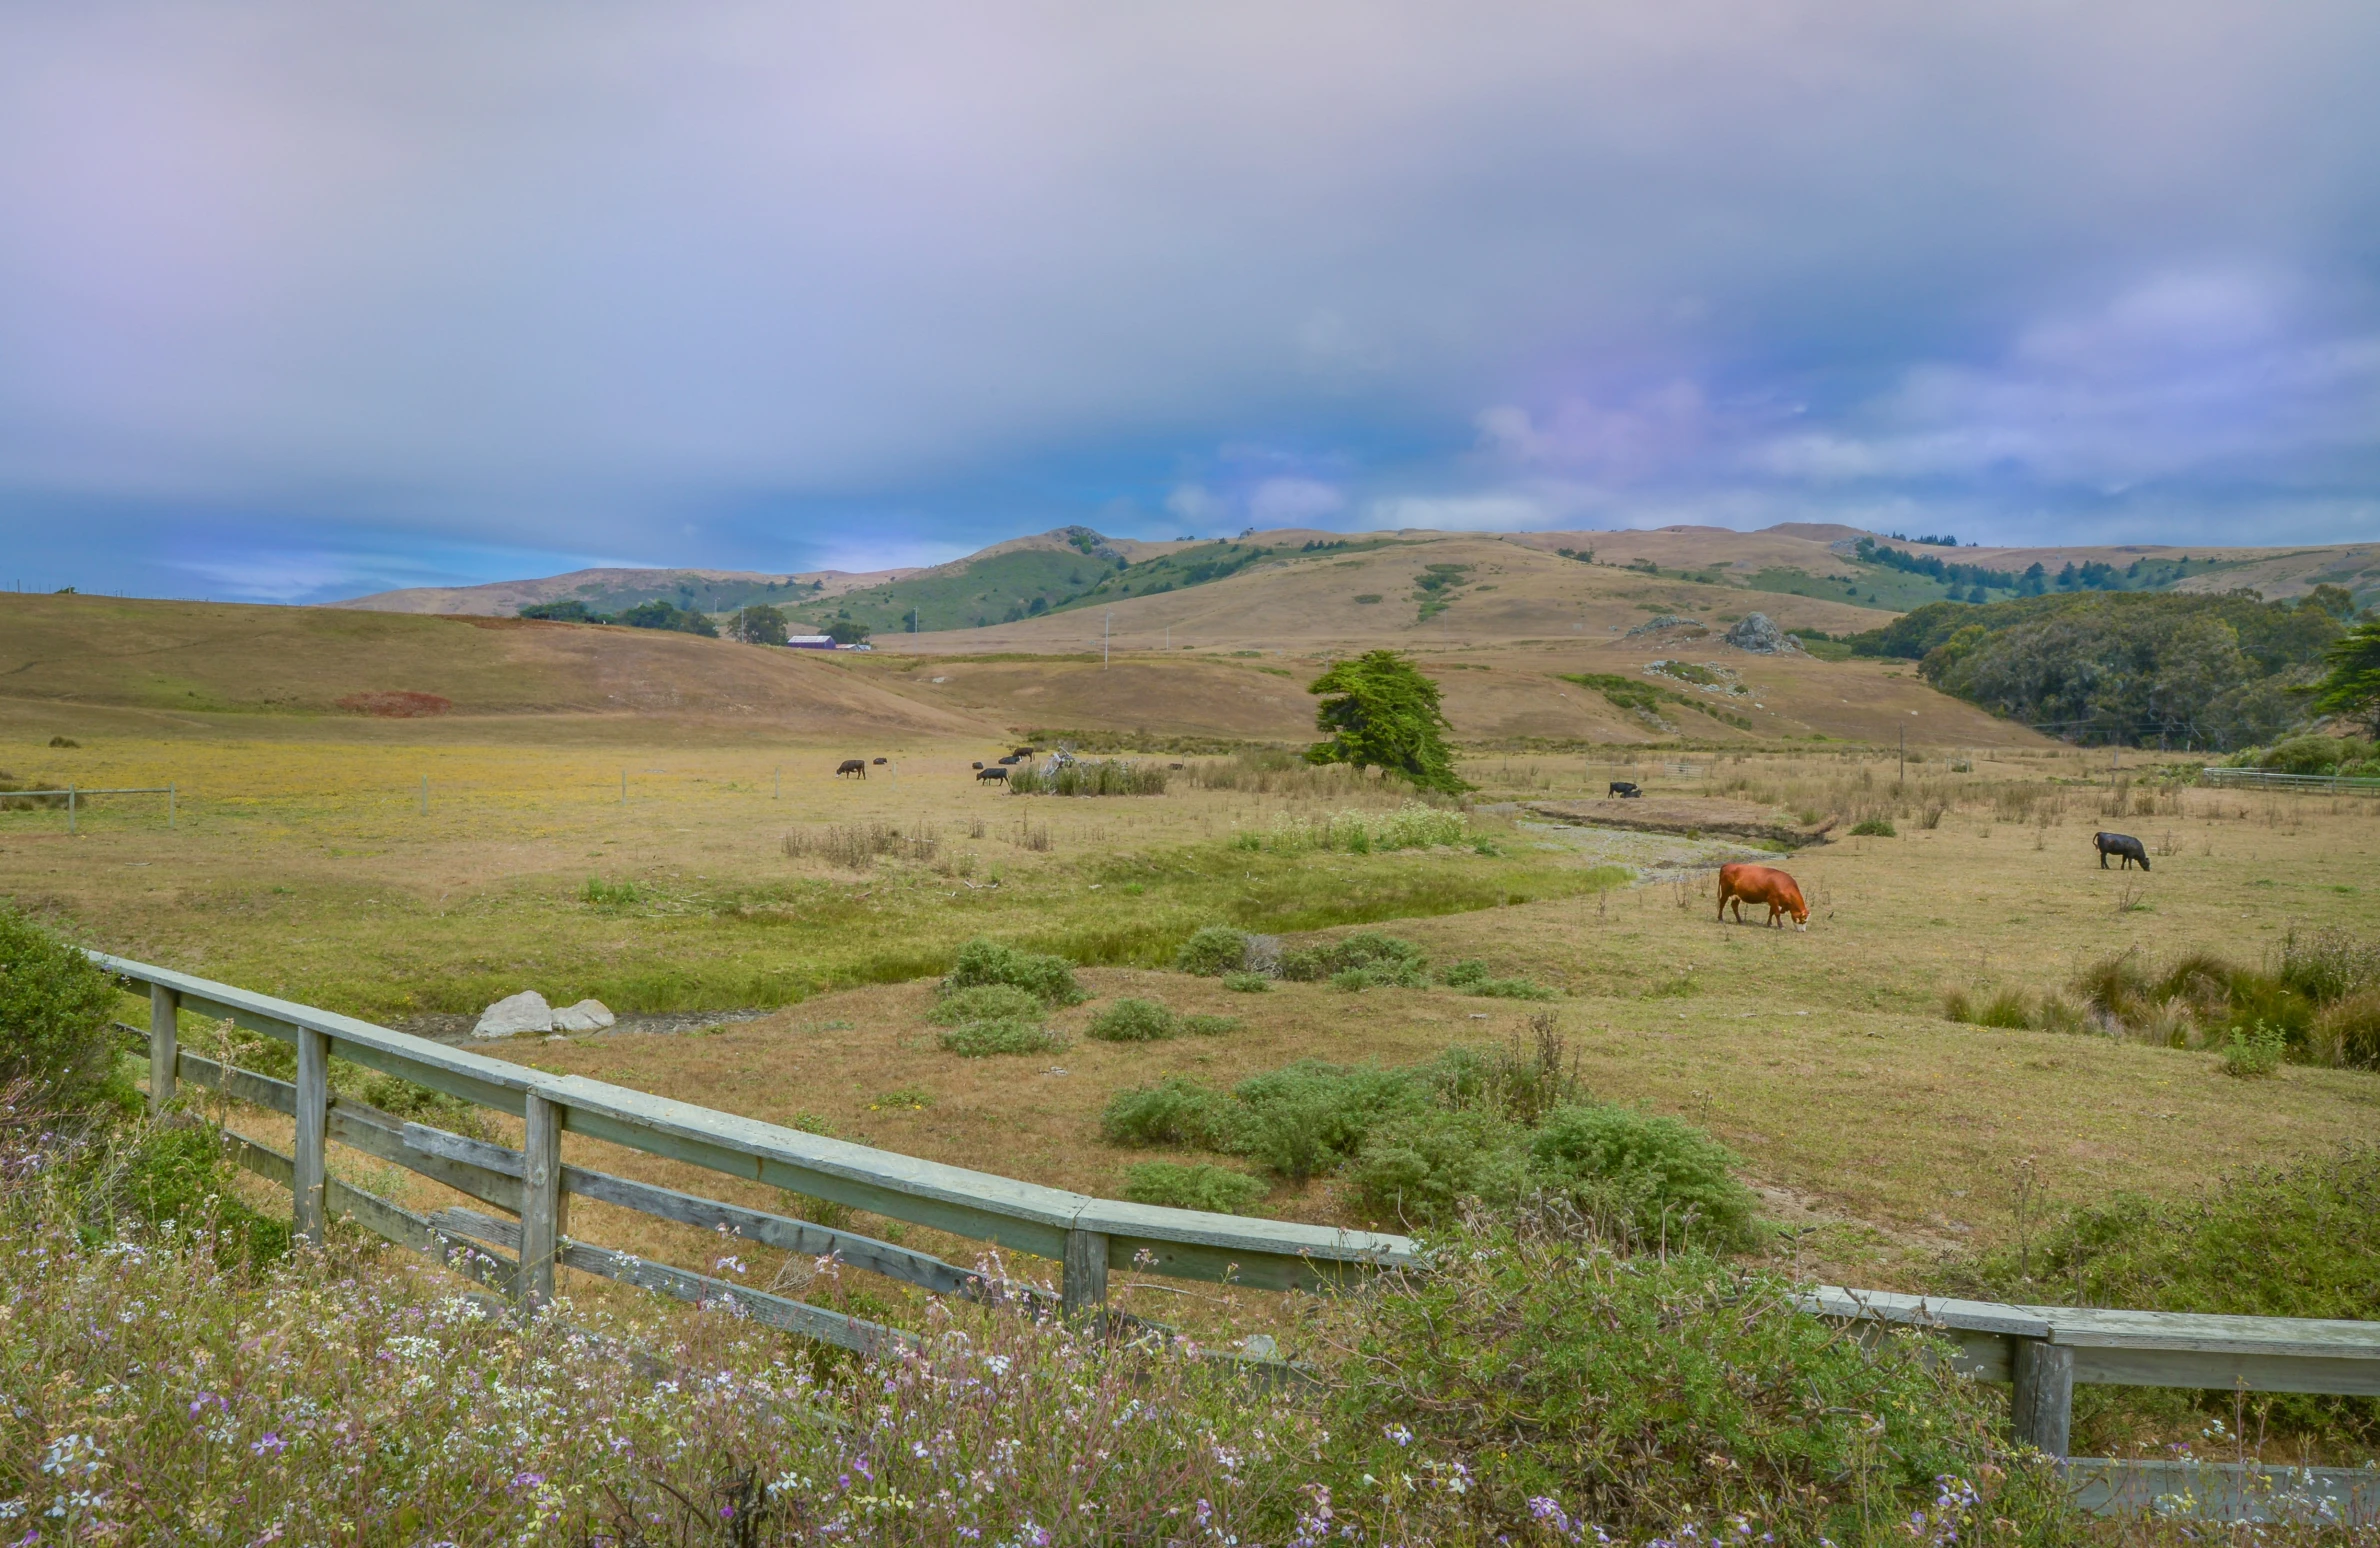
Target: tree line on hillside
<point>758,624</point>
<point>2213,672</point>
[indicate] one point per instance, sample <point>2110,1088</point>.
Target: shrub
<point>985,1002</point>
<point>1386,958</point>
<point>2296,1240</point>
<point>1175,1111</point>
<point>1417,1167</point>
<point>1464,974</point>
<point>179,1177</point>
<point>1875,827</point>
<point>1638,1394</point>
<point>1308,1118</point>
<point>603,894</point>
<point>1247,983</point>
<point>1000,1035</point>
<point>1667,1180</point>
<point>1133,1021</point>
<point>2328,965</point>
<point>1512,989</point>
<point>1214,1188</point>
<point>988,962</point>
<point>55,1015</point>
<point>2059,1014</point>
<point>1957,1007</point>
<point>2254,1053</point>
<point>2005,1009</point>
<point>1213,952</point>
<point>1210,1026</point>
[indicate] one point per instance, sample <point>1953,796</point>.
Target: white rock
<point>523,1012</point>
<point>585,1016</point>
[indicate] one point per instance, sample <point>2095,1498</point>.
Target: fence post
<point>1083,1289</point>
<point>70,809</point>
<point>164,1010</point>
<point>313,1118</point>
<point>541,1200</point>
<point>169,808</point>
<point>2042,1411</point>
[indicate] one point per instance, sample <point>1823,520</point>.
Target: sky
<point>301,301</point>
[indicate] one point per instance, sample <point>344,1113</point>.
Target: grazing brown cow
<point>856,766</point>
<point>1742,884</point>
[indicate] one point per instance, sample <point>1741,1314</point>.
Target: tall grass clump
<point>980,962</point>
<point>1092,777</point>
<point>855,846</point>
<point>1415,825</point>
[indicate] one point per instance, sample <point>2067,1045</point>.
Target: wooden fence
<point>2042,1352</point>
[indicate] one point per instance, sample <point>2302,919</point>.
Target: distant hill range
<point>1013,587</point>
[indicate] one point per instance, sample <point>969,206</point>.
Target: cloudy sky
<point>304,300</point>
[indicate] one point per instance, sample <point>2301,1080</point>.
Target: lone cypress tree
<point>1379,712</point>
<point>2352,687</point>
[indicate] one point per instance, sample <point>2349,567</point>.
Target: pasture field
<point>1882,1134</point>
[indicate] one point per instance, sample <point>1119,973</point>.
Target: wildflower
<point>1399,1434</point>
<point>272,1442</point>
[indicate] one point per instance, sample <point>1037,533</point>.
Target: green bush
<point>1247,983</point>
<point>1175,1111</point>
<point>2254,1053</point>
<point>1511,989</point>
<point>2328,965</point>
<point>1383,958</point>
<point>614,895</point>
<point>2295,1240</point>
<point>1464,974</point>
<point>985,1002</point>
<point>1415,1168</point>
<point>178,1176</point>
<point>1210,1026</point>
<point>1666,1180</point>
<point>1875,827</point>
<point>1310,1117</point>
<point>1051,979</point>
<point>55,1015</point>
<point>1133,1021</point>
<point>1212,952</point>
<point>1000,1035</point>
<point>1213,1188</point>
<point>1640,1393</point>
<point>2304,755</point>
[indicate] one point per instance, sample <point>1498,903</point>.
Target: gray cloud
<point>573,280</point>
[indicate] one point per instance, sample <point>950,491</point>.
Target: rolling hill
<point>615,590</point>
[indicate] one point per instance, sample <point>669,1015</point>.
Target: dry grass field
<point>794,986</point>
<point>1883,1134</point>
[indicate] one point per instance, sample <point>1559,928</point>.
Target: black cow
<point>851,766</point>
<point>876,760</point>
<point>1024,752</point>
<point>1011,758</point>
<point>2122,845</point>
<point>1624,790</point>
<point>997,775</point>
<point>978,763</point>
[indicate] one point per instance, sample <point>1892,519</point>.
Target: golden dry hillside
<point>194,664</point>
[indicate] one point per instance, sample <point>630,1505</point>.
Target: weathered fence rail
<point>74,795</point>
<point>2042,1352</point>
<point>2267,779</point>
<point>1087,1236</point>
